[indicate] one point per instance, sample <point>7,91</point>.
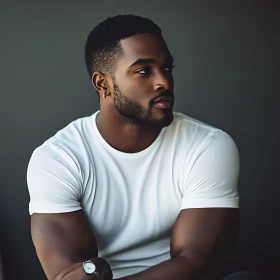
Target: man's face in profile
<point>143,74</point>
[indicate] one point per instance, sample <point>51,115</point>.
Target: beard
<point>137,113</point>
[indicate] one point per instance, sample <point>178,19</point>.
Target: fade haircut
<point>103,48</point>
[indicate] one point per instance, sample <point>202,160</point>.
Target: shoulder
<point>68,145</point>
<point>190,130</point>
<point>71,137</point>
<point>195,136</point>
<point>192,127</point>
<point>187,123</point>
<point>186,126</point>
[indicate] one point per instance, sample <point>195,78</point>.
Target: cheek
<point>138,89</point>
<point>143,93</point>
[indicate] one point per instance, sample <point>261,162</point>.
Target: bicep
<point>205,236</point>
<point>61,240</point>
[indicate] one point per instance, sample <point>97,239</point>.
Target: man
<point>134,191</point>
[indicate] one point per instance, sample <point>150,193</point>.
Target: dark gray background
<point>227,63</point>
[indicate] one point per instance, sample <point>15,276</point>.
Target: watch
<point>89,267</point>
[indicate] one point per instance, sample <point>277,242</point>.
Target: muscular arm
<point>201,241</point>
<point>62,240</point>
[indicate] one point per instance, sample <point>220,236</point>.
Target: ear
<point>99,82</point>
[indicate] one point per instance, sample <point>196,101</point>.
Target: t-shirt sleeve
<point>53,180</point>
<point>213,179</point>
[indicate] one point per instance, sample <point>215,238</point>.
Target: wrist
<point>103,268</point>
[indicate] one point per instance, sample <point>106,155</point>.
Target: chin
<point>165,119</point>
<point>168,121</point>
<point>162,121</point>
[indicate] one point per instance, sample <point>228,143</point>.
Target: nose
<point>163,81</point>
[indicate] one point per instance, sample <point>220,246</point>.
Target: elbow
<point>195,265</point>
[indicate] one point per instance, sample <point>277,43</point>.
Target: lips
<point>164,102</point>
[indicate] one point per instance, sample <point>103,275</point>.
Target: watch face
<point>89,268</point>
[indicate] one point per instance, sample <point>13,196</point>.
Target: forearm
<point>177,268</point>
<point>75,272</point>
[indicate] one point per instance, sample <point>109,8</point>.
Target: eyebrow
<point>139,61</point>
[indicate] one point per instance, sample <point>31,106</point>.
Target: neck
<point>123,134</point>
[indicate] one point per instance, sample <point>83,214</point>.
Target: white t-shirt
<point>132,200</point>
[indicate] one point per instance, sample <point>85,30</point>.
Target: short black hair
<point>102,48</point>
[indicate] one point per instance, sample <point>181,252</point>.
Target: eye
<point>170,68</point>
<point>147,70</point>
<point>144,71</point>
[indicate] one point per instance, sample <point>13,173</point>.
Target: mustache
<point>164,93</point>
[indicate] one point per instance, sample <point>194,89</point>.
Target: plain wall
<point>227,62</point>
